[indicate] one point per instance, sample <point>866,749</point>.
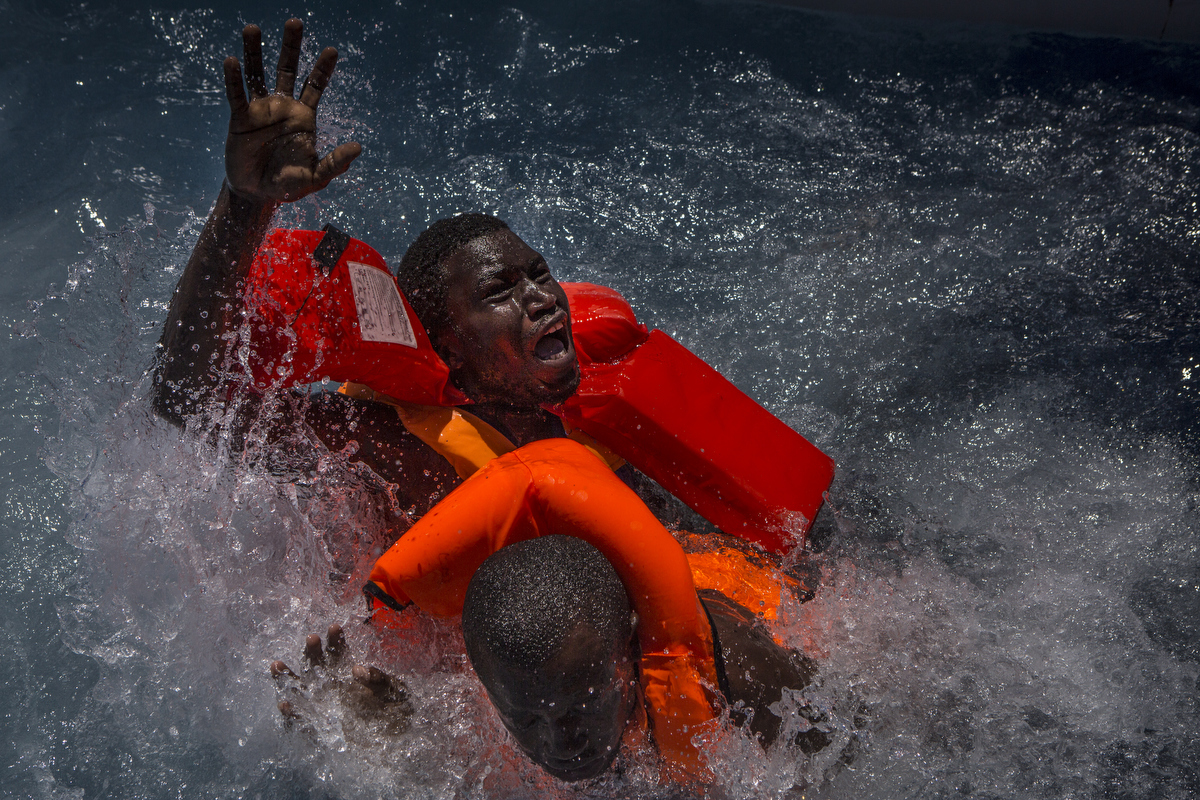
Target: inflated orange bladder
<point>557,486</point>
<point>320,305</point>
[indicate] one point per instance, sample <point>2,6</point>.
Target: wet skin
<point>370,693</point>
<point>272,158</point>
<point>569,716</point>
<point>502,301</point>
<point>504,345</point>
<point>508,338</point>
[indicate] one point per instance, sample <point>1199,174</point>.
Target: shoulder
<point>372,434</point>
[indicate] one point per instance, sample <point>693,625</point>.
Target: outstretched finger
<point>280,669</point>
<point>252,56</point>
<point>289,57</point>
<point>336,163</point>
<point>312,650</point>
<point>336,641</point>
<point>318,79</point>
<point>234,90</point>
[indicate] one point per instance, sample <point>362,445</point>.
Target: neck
<point>520,423</point>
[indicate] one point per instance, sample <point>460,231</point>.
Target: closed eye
<point>524,722</point>
<point>497,292</point>
<point>499,285</point>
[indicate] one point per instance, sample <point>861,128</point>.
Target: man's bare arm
<point>205,309</point>
<point>270,158</point>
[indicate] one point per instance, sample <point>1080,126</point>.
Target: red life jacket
<point>326,306</point>
<point>338,315</point>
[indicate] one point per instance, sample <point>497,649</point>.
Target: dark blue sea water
<point>964,261</point>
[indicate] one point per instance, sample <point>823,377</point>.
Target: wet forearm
<point>206,307</point>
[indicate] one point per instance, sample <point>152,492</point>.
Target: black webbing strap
<point>374,592</point>
<point>330,248</point>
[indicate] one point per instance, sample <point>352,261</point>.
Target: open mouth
<point>554,344</point>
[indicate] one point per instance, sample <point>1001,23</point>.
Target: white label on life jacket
<point>381,313</point>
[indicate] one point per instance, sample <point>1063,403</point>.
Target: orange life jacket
<point>755,586</point>
<point>556,486</point>
<point>463,439</point>
<point>325,306</point>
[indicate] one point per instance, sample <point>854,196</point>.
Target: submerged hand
<point>271,152</point>
<point>372,695</point>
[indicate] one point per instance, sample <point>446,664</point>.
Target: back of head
<point>421,275</point>
<point>528,600</point>
<point>548,630</point>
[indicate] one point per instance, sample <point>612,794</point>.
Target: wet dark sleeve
<point>754,670</point>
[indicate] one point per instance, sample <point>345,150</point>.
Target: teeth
<point>558,326</point>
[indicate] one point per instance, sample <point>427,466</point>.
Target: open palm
<point>271,152</point>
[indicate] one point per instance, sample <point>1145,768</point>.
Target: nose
<point>564,737</point>
<point>538,300</point>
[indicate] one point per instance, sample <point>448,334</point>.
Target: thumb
<point>336,163</point>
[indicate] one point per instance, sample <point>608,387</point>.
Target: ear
<point>450,348</point>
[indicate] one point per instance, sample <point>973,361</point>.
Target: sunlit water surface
<point>963,261</point>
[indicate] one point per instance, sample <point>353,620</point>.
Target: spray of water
<point>960,265</point>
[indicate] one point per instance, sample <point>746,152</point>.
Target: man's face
<point>568,716</point>
<point>509,334</point>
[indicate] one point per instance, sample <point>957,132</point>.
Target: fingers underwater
<point>377,686</point>
<point>336,647</point>
<point>313,653</point>
<point>280,669</point>
<point>370,677</point>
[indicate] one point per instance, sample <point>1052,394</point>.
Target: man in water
<point>549,631</point>
<point>553,639</point>
<point>543,553</point>
<point>493,310</point>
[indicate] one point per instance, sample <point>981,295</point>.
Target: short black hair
<point>526,600</point>
<point>421,275</point>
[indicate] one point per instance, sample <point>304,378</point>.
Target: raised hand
<point>271,152</point>
<point>270,158</point>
